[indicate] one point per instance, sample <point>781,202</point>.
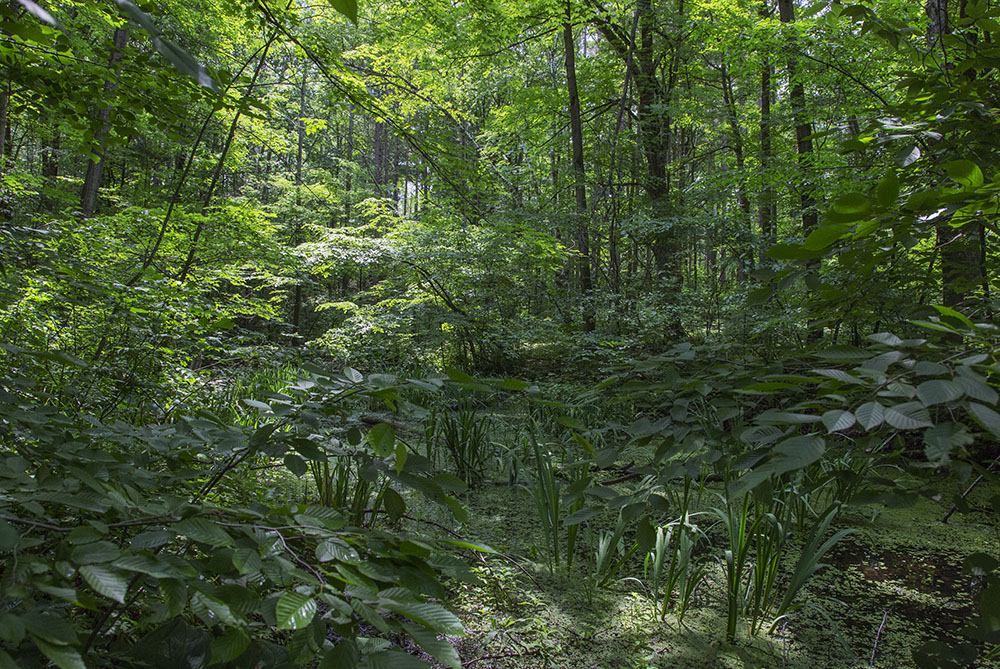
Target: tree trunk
<point>767,208</point>
<point>803,129</point>
<point>95,170</point>
<point>579,176</point>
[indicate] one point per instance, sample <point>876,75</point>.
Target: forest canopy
<point>327,328</point>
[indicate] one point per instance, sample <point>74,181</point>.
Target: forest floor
<point>891,586</point>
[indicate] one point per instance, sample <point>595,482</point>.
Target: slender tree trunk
<point>95,170</point>
<point>580,176</point>
<point>746,252</point>
<point>803,129</point>
<point>767,208</point>
<point>297,230</point>
<point>350,167</point>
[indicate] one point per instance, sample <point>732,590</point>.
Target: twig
<point>871,662</point>
<point>968,490</point>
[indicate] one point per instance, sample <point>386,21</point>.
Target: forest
<point>538,333</point>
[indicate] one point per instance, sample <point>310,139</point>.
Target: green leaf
<point>432,616</point>
<point>393,503</point>
<point>965,172</point>
<point>348,8</point>
<point>212,610</point>
<point>938,391</point>
<point>295,464</point>
<point>775,417</point>
<point>342,656</point>
<point>335,549</point>
<point>393,659</point>
<point>849,208</point>
<point>798,452</point>
<point>887,190</point>
<point>64,657</point>
<point>247,561</point>
<point>111,584</point>
<point>837,420</point>
<point>294,610</point>
<point>382,439</point>
<point>870,415</point>
<point>152,539</point>
<point>230,645</point>
<point>11,629</point>
<point>580,516</point>
<point>8,535</point>
<point>825,235</point>
<point>6,661</point>
<point>979,564</point>
<point>907,155</point>
<point>49,627</point>
<point>203,531</point>
<point>440,649</point>
<point>97,552</point>
<point>940,440</point>
<point>908,416</point>
<point>986,417</point>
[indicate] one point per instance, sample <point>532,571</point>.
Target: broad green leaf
<point>908,416</point>
<point>440,649</point>
<point>393,503</point>
<point>64,657</point>
<point>230,645</point>
<point>348,8</point>
<point>979,564</point>
<point>581,516</point>
<point>6,661</point>
<point>335,549</point>
<point>11,629</point>
<point>8,535</point>
<point>798,452</point>
<point>50,627</point>
<point>435,617</point>
<point>977,388</point>
<point>247,561</point>
<point>849,207</point>
<point>825,235</point>
<point>986,417</point>
<point>144,564</point>
<point>152,539</point>
<point>97,552</point>
<point>870,415</point>
<point>394,659</point>
<point>907,155</point>
<point>295,464</point>
<point>203,531</point>
<point>887,190</point>
<point>965,172</point>
<point>104,581</point>
<point>294,610</point>
<point>938,391</point>
<point>942,439</point>
<point>342,656</point>
<point>838,420</point>
<point>776,417</point>
<point>212,610</point>
<point>382,439</point>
